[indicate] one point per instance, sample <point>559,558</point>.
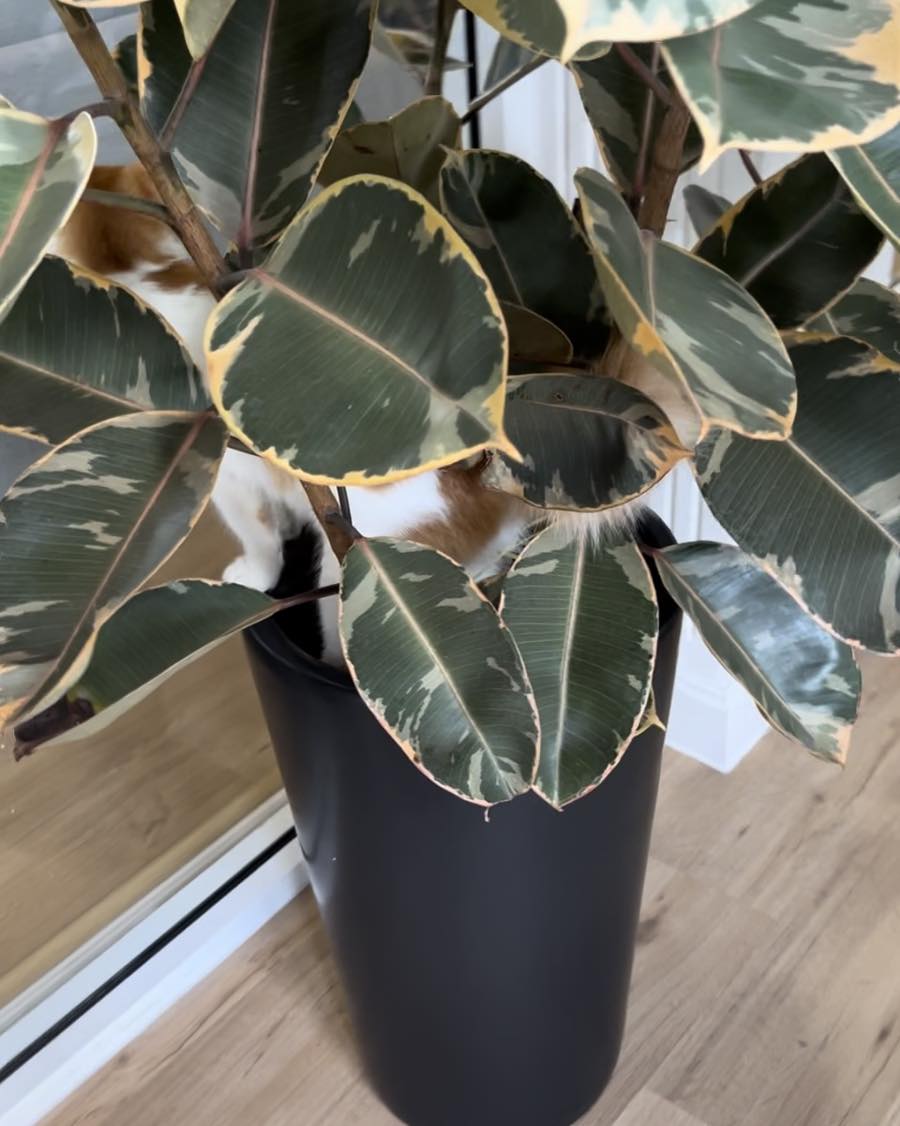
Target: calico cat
<point>266,508</point>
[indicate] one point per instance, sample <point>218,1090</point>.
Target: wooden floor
<point>88,828</point>
<point>766,989</point>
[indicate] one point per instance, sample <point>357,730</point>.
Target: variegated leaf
<point>368,347</point>
<point>82,529</point>
<point>439,670</point>
<point>44,166</point>
<point>616,102</point>
<point>795,242</point>
<point>408,147</point>
<point>805,682</point>
<point>201,20</point>
<point>410,48</point>
<point>690,320</point>
<point>704,207</point>
<point>148,639</point>
<point>532,338</point>
<point>527,240</point>
<point>587,442</point>
<point>76,349</point>
<point>563,28</point>
<point>873,173</point>
<point>585,620</point>
<point>266,103</point>
<point>821,511</point>
<point>793,75</point>
<point>869,312</point>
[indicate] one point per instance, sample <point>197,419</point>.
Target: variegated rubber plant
<point>580,348</point>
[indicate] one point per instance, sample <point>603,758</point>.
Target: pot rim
<point>651,531</point>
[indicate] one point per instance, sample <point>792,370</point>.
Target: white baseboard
<point>75,1054</point>
<point>712,719</point>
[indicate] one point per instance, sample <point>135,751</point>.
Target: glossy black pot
<point>486,961</point>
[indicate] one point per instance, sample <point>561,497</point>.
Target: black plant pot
<point>485,960</point>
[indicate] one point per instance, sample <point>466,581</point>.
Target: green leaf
<point>507,58</point>
<point>411,48</point>
<point>795,242</point>
<point>585,620</point>
<point>44,167</point>
<point>690,320</point>
<point>527,240</point>
<point>562,28</point>
<point>76,349</point>
<point>873,173</point>
<point>408,147</point>
<point>268,100</point>
<point>704,207</point>
<point>153,636</point>
<point>792,75</point>
<point>82,529</point>
<point>805,682</point>
<point>368,347</point>
<point>202,21</point>
<point>823,512</point>
<point>453,692</point>
<point>587,442</point>
<point>869,312</point>
<point>532,338</point>
<point>616,101</point>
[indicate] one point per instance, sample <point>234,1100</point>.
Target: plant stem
<point>89,44</point>
<point>308,596</point>
<point>184,216</point>
<point>504,84</point>
<point>109,107</point>
<point>434,80</point>
<point>750,166</point>
<point>129,203</point>
<point>640,169</point>
<point>646,75</point>
<point>665,168</point>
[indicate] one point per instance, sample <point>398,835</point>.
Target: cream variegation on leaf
<point>437,667</point>
<point>115,357</point>
<point>587,442</point>
<point>692,322</point>
<point>804,681</point>
<point>565,28</point>
<point>261,114</point>
<point>334,367</point>
<point>117,498</point>
<point>792,76</point>
<point>821,510</point>
<point>585,620</point>
<point>44,166</point>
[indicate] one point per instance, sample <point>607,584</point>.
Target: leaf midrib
<point>71,381</point>
<point>565,663</point>
<point>352,331</point>
<point>426,644</point>
<point>186,444</point>
<point>797,234</point>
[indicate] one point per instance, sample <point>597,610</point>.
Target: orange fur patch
<point>111,240</point>
<point>474,515</point>
<point>182,274</point>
